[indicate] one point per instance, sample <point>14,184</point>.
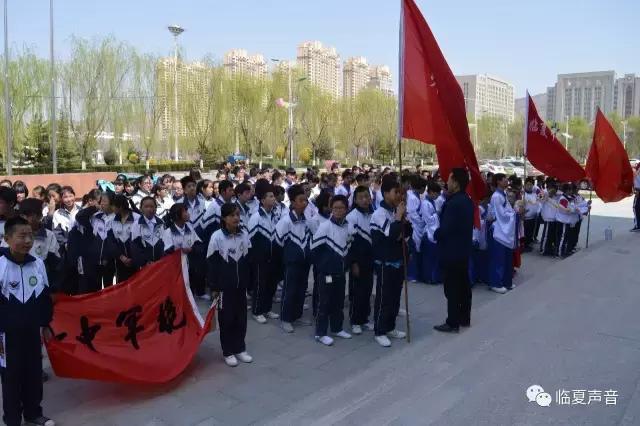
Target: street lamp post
<point>289,114</point>
<point>176,30</point>
<point>53,137</point>
<point>624,134</point>
<point>7,100</point>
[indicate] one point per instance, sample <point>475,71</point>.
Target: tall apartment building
<point>380,79</point>
<point>238,61</point>
<point>190,78</point>
<point>580,94</point>
<point>355,76</point>
<point>487,95</point>
<point>626,96</point>
<point>321,66</point>
<point>539,100</point>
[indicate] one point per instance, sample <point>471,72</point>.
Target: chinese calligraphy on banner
<point>144,330</point>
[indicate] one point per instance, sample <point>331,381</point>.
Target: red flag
<point>432,108</point>
<point>545,151</point>
<point>608,164</point>
<point>143,330</point>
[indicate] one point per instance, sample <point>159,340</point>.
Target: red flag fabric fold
<point>545,151</point>
<point>608,164</point>
<point>144,330</point>
<point>432,108</point>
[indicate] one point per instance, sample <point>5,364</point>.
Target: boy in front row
<point>25,311</point>
<point>387,234</point>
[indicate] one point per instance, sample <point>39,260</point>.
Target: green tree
<point>68,154</point>
<point>36,147</point>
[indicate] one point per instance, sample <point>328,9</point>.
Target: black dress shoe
<point>446,328</point>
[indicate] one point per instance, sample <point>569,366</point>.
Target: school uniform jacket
<point>386,234</point>
<point>430,216</point>
<point>531,205</point>
<point>176,238</point>
<point>549,208</point>
<point>62,222</point>
<point>262,233</point>
<point>210,220</point>
<point>565,213</point>
<point>330,247</point>
<point>413,213</point>
<point>504,226</point>
<point>146,241</point>
<point>343,189</point>
<point>360,228</point>
<point>25,301</point>
<point>119,235</point>
<point>315,221</point>
<point>101,224</point>
<point>228,261</point>
<point>196,209</point>
<point>294,236</point>
<point>245,214</point>
<point>138,196</point>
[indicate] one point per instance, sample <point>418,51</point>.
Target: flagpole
<point>589,217</point>
<point>399,140</point>
<point>524,150</point>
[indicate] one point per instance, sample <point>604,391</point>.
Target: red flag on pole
<point>432,108</point>
<point>545,151</point>
<point>143,330</point>
<point>608,164</point>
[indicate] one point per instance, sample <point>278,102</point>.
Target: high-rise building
<point>487,95</point>
<point>238,61</point>
<point>380,78</point>
<point>321,66</point>
<point>626,96</point>
<point>580,94</point>
<point>190,78</point>
<point>355,76</point>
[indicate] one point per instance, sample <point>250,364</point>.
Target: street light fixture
<point>176,30</point>
<point>289,110</point>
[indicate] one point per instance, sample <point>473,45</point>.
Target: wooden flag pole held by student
<point>589,217</point>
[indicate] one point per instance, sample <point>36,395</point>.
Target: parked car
<point>494,167</point>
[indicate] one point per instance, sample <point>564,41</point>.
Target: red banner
<point>608,164</point>
<point>432,108</point>
<point>143,330</point>
<point>545,151</point>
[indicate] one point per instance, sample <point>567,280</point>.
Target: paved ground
<point>569,324</point>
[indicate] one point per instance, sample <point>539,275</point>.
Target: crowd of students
<point>248,233</point>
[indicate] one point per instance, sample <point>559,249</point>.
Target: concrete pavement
<point>569,324</point>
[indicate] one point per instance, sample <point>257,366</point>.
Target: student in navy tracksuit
<point>430,261</point>
<point>387,226</point>
<point>119,237</point>
<point>25,313</point>
<point>179,235</point>
<point>294,236</point>
<point>330,249</point>
<point>361,275</point>
<point>101,223</point>
<point>265,254</point>
<point>228,275</point>
<point>146,235</point>
<point>211,218</point>
<point>80,261</point>
<point>313,223</point>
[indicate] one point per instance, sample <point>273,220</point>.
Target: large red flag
<point>143,330</point>
<point>432,108</point>
<point>608,164</point>
<point>545,151</point>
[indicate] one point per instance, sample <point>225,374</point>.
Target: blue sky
<point>525,42</point>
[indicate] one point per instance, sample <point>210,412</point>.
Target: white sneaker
<point>383,341</point>
<point>325,340</point>
<point>501,290</point>
<point>260,319</point>
<point>244,357</point>
<point>512,287</point>
<point>231,361</point>
<point>272,315</point>
<point>369,326</point>
<point>402,312</point>
<point>397,334</point>
<point>206,297</point>
<point>342,334</point>
<point>286,326</point>
<point>356,329</point>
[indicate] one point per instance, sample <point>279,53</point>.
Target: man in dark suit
<point>454,238</point>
